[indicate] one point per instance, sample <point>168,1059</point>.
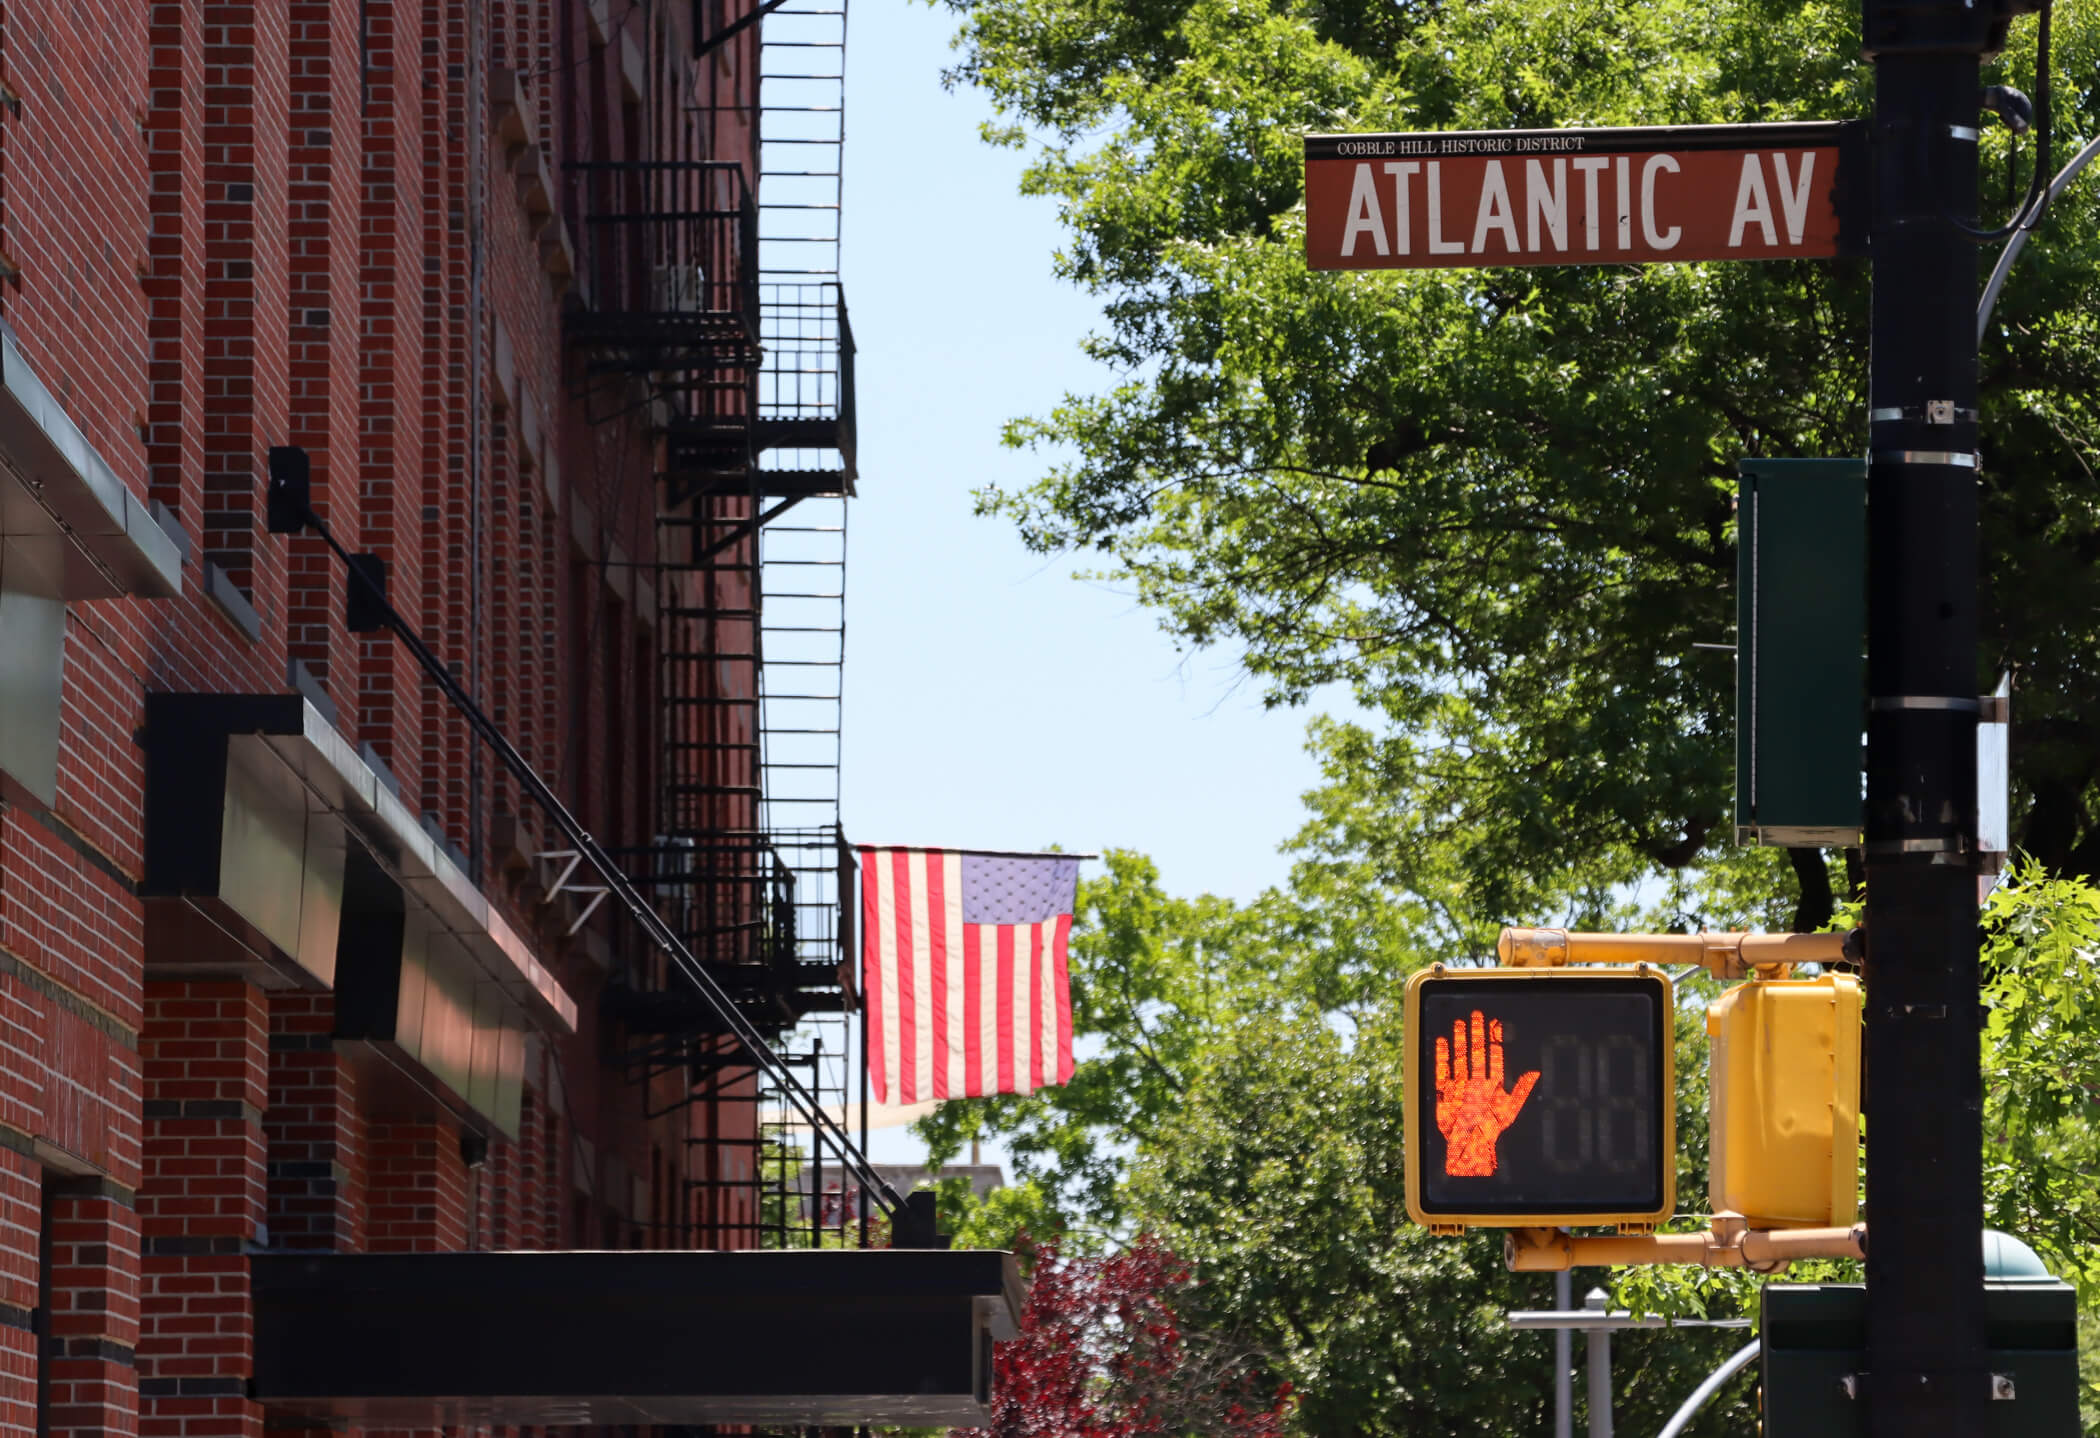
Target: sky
<point>992,699</point>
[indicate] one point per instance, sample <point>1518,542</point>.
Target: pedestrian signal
<point>1540,1099</point>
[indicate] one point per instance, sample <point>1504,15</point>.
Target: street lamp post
<point>1598,1322</point>
<point>1563,1360</point>
<point>1600,1367</point>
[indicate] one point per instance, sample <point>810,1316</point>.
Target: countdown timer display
<point>1539,1098</point>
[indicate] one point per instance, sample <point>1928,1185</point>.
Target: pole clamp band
<point>1951,458</point>
<point>1953,844</point>
<point>1883,703</point>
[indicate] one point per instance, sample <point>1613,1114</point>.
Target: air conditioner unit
<point>674,856</point>
<point>678,289</point>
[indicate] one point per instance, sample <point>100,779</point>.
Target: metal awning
<point>69,527</point>
<point>273,850</point>
<point>814,1337</point>
<point>203,748</point>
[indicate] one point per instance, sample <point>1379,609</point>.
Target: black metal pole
<point>1927,1362</point>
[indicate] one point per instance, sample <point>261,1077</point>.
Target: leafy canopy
<point>1264,1148</point>
<point>1498,503</point>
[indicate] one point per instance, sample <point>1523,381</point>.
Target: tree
<point>1282,1183</point>
<point>1104,1352</point>
<point>1263,1146</point>
<point>1258,1137</point>
<point>1498,503</point>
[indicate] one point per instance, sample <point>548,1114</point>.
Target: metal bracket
<point>1855,1385</point>
<point>561,885</point>
<point>1933,411</point>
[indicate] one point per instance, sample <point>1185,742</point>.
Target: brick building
<point>541,297</point>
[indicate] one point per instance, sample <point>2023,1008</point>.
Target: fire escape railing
<point>669,253</point>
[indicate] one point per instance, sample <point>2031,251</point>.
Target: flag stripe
<point>936,974</point>
<point>1059,946</point>
<point>973,1006</point>
<point>891,981</point>
<point>1025,1077</point>
<point>907,963</point>
<point>1035,1006</point>
<point>871,971</point>
<point>988,1013</point>
<point>1005,1045</point>
<point>921,1062</point>
<point>957,1021</point>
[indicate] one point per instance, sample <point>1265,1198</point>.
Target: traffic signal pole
<point>1927,1361</point>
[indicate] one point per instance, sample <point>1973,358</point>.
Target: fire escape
<point>715,304</point>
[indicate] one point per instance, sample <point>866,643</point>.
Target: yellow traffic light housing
<point>1540,1098</point>
<point>1784,1104</point>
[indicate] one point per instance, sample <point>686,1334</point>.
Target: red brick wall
<point>204,1199</point>
<point>316,1126</point>
<point>247,111</point>
<point>95,1307</point>
<point>324,202</point>
<point>248,223</point>
<point>21,1218</point>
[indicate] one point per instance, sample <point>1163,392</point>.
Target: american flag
<point>963,963</point>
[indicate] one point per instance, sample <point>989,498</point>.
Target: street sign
<point>1454,199</point>
<point>1537,1099</point>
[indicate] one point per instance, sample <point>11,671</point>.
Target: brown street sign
<point>1452,199</point>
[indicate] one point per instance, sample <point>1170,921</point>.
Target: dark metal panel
<point>819,1337</point>
<point>368,951</point>
<point>32,667</point>
<point>1800,647</point>
<point>455,1042</point>
<point>1815,1339</point>
<point>262,851</point>
<point>260,817</point>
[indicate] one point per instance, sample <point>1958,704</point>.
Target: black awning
<point>825,1337</point>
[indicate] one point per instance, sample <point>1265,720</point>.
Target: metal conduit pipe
<point>1689,1409</point>
<point>1551,1250</point>
<point>1726,956</point>
<point>2018,242</point>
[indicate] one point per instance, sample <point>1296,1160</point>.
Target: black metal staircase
<point>714,301</point>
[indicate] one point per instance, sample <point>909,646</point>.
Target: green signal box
<point>1800,666</point>
<point>1815,1383</point>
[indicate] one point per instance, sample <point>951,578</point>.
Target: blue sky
<point>992,700</point>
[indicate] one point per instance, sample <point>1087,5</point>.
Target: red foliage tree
<point>1103,1353</point>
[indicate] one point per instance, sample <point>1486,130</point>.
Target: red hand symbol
<point>1471,1108</point>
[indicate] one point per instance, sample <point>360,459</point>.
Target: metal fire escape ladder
<point>758,456</point>
<point>806,447</point>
